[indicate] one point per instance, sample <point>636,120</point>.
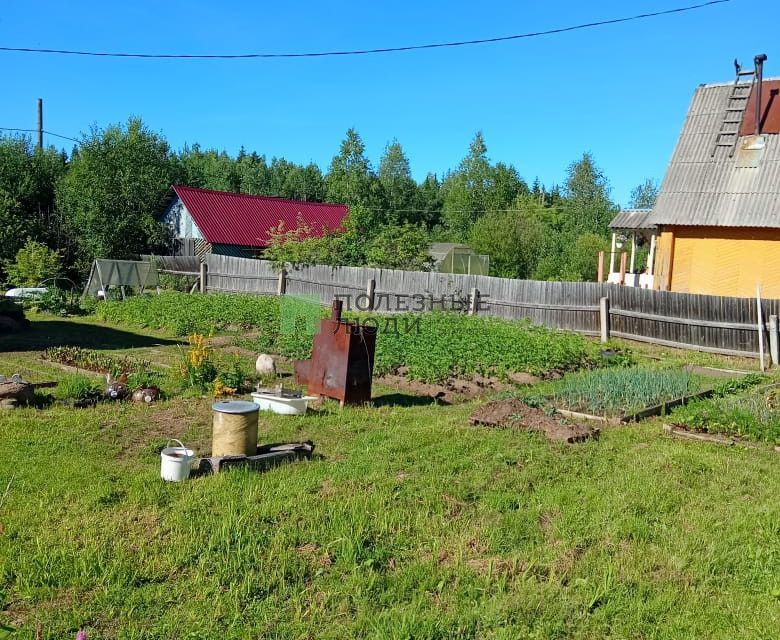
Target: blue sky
<point>620,92</point>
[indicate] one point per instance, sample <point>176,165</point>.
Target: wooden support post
<point>281,289</point>
<point>667,260</point>
<point>474,301</point>
<point>600,277</point>
<point>623,257</point>
<point>100,280</point>
<point>370,289</point>
<point>204,277</point>
<point>760,328</point>
<point>774,340</point>
<point>612,254</point>
<point>651,257</point>
<point>604,318</point>
<point>633,253</point>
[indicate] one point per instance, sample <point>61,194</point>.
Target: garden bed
<point>91,361</point>
<point>624,394</point>
<point>512,413</point>
<point>430,348</point>
<point>702,436</point>
<point>628,394</point>
<point>752,415</point>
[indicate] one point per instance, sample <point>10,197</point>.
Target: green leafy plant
<point>174,282</point>
<point>55,301</point>
<point>184,315</point>
<point>754,414</point>
<point>737,385</point>
<point>197,366</point>
<point>94,360</point>
<point>435,346</point>
<point>232,374</point>
<point>431,347</point>
<point>143,379</point>
<point>34,263</point>
<point>80,387</point>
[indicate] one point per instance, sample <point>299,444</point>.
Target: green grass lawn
<point>408,524</point>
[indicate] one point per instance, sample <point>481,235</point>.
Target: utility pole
<point>40,124</point>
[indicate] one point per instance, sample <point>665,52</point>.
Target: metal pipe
<point>40,124</point>
<point>335,312</point>
<point>759,61</point>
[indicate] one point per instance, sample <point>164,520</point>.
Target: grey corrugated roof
<point>701,190</point>
<point>439,250</point>
<point>633,219</point>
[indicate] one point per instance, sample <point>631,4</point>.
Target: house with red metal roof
<point>236,224</point>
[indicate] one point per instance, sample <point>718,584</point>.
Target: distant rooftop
<point>740,190</point>
<point>240,219</point>
<point>633,219</point>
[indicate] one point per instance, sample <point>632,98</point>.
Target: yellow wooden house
<point>718,208</point>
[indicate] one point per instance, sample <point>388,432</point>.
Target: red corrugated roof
<point>240,219</point>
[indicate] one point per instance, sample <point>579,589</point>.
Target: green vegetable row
<point>431,347</point>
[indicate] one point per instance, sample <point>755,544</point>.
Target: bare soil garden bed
<point>515,414</point>
<point>453,391</point>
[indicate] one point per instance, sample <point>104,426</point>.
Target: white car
<point>25,292</point>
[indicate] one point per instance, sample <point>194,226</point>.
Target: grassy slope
<point>412,524</point>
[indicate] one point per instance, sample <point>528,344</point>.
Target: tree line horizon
<point>103,200</point>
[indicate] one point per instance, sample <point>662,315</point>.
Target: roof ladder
<point>728,135</point>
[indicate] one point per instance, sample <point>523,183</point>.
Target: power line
<point>322,54</point>
<point>50,133</point>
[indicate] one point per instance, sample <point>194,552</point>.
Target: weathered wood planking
<point>709,323</point>
<point>240,275</point>
<point>188,264</point>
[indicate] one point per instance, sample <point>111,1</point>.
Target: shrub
<point>512,239</point>
<point>400,247</point>
<point>34,263</point>
<point>232,374</point>
<point>55,301</point>
<point>175,282</point>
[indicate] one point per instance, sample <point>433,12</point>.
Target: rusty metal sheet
<point>770,110</point>
<point>342,362</point>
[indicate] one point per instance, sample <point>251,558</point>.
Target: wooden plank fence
<point>176,264</point>
<point>715,324</point>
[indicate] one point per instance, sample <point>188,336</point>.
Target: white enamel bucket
<point>175,462</point>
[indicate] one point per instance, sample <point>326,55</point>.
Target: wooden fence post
<point>604,318</point>
<point>204,277</point>
<point>774,343</point>
<point>600,277</point>
<point>474,301</point>
<point>282,287</point>
<point>370,293</point>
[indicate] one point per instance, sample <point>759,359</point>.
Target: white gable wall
<point>179,219</point>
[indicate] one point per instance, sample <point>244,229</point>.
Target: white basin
<point>281,404</point>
